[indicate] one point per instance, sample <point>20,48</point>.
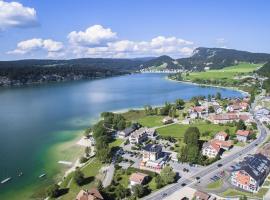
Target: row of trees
<point>190,151</point>
<point>167,109</point>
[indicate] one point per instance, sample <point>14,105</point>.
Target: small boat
<point>5,180</point>
<point>42,175</point>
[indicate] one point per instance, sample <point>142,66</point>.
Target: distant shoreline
<point>244,93</point>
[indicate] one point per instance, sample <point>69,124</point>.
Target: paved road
<point>109,176</point>
<point>213,168</point>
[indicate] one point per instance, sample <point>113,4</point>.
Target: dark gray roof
<point>256,166</point>
<point>129,130</point>
<point>153,148</point>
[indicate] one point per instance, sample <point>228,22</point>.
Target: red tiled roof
<point>221,143</point>
<point>137,177</point>
<point>222,133</point>
<point>92,194</point>
<point>243,133</point>
<point>198,108</point>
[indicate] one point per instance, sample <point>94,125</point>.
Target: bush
<point>83,159</point>
<point>78,177</point>
<point>53,191</point>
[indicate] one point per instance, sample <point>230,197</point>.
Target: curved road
<point>164,192</point>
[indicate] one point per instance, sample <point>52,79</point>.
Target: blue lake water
<point>30,117</point>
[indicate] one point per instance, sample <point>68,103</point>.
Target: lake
<point>35,121</point>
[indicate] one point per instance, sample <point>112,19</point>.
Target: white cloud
<point>97,41</point>
<point>28,46</point>
<point>95,35</point>
<point>14,14</point>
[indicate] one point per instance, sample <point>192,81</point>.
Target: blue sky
<point>133,28</point>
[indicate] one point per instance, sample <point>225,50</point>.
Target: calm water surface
<point>32,119</point>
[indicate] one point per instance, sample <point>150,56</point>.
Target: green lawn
<point>237,193</point>
<point>134,115</point>
<point>116,143</point>
<point>178,130</point>
<point>121,176</point>
<point>225,73</point>
<point>215,185</point>
<point>90,171</point>
<point>233,193</point>
<point>151,121</point>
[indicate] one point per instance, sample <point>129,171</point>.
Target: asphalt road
<point>163,193</point>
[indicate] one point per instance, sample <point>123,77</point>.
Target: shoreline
<point>208,85</point>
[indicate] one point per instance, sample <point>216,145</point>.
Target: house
<point>138,136</point>
<point>199,195</point>
<point>151,134</point>
<point>242,135</point>
<point>210,149</point>
<point>193,115</point>
<point>167,120</point>
<point>230,117</point>
<point>200,110</point>
<point>226,145</point>
<point>137,179</point>
<point>218,109</point>
<point>92,194</point>
<point>221,136</point>
<point>251,173</point>
<point>244,105</point>
<point>153,158</point>
<point>126,132</point>
<point>152,152</point>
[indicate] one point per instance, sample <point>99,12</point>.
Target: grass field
<point>178,130</point>
<point>151,121</point>
<point>225,73</point>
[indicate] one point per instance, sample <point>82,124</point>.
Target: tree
<point>241,125</point>
<point>87,132</point>
<point>192,136</point>
<point>121,192</point>
<point>179,103</point>
<point>165,110</point>
<point>218,96</point>
<point>211,109</point>
<point>87,151</point>
<point>100,186</point>
<point>104,154</point>
<point>167,175</point>
<point>138,191</point>
<point>243,197</point>
<point>158,181</point>
<point>78,177</point>
<point>53,191</point>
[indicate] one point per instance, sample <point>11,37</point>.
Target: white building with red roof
<point>137,179</point>
<point>210,149</point>
<point>242,135</point>
<point>221,136</point>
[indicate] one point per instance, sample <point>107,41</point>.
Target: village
<point>153,153</point>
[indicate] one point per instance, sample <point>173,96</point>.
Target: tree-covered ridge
<point>265,71</point>
<point>23,72</point>
<point>218,58</point>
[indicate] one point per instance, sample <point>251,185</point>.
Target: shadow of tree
<point>62,191</point>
